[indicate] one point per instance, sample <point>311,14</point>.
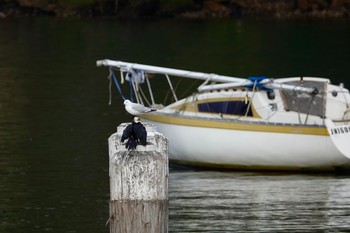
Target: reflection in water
<point>251,202</point>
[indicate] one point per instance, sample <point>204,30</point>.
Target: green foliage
<point>176,3</point>
<point>76,3</point>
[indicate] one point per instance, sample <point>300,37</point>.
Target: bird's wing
<point>126,132</point>
<point>141,133</point>
<point>143,136</point>
<point>140,108</point>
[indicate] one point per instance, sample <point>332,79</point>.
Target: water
<point>252,202</point>
<point>55,121</point>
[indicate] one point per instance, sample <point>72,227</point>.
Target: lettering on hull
<point>340,130</point>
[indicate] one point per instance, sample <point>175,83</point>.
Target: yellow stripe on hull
<point>234,125</point>
<point>240,167</point>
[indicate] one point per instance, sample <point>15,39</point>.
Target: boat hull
<point>244,149</point>
<point>293,123</point>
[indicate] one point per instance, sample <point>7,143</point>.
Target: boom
<point>126,66</point>
<point>227,81</point>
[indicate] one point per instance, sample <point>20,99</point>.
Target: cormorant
<point>135,133</point>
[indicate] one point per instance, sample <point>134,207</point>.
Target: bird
<point>135,133</point>
<point>136,109</point>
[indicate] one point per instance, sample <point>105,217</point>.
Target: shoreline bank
<point>196,9</point>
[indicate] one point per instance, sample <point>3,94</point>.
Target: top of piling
<point>153,138</point>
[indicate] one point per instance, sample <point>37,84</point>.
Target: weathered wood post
<point>138,184</point>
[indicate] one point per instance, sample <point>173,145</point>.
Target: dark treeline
<point>178,8</point>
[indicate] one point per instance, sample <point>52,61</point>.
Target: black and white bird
<point>135,133</point>
<point>136,109</point>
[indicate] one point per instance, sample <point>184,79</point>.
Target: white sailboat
<point>296,123</point>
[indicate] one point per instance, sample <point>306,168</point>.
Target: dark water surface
<point>55,121</point>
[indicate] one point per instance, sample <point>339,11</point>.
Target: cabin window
<point>226,107</point>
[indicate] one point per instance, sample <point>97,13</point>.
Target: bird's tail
<point>131,144</point>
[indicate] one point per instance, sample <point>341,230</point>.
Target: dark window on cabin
<point>226,107</point>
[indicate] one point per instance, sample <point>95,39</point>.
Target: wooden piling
<point>138,184</point>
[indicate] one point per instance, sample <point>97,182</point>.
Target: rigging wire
<point>149,89</point>
<point>251,100</point>
<point>341,86</point>
<point>168,92</point>
<point>308,110</point>
<point>144,96</point>
<point>171,87</point>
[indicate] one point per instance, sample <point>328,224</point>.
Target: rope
<point>131,88</point>
<point>110,88</point>
<point>136,91</point>
<point>111,73</point>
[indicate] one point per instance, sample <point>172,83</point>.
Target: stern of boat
<point>339,132</point>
